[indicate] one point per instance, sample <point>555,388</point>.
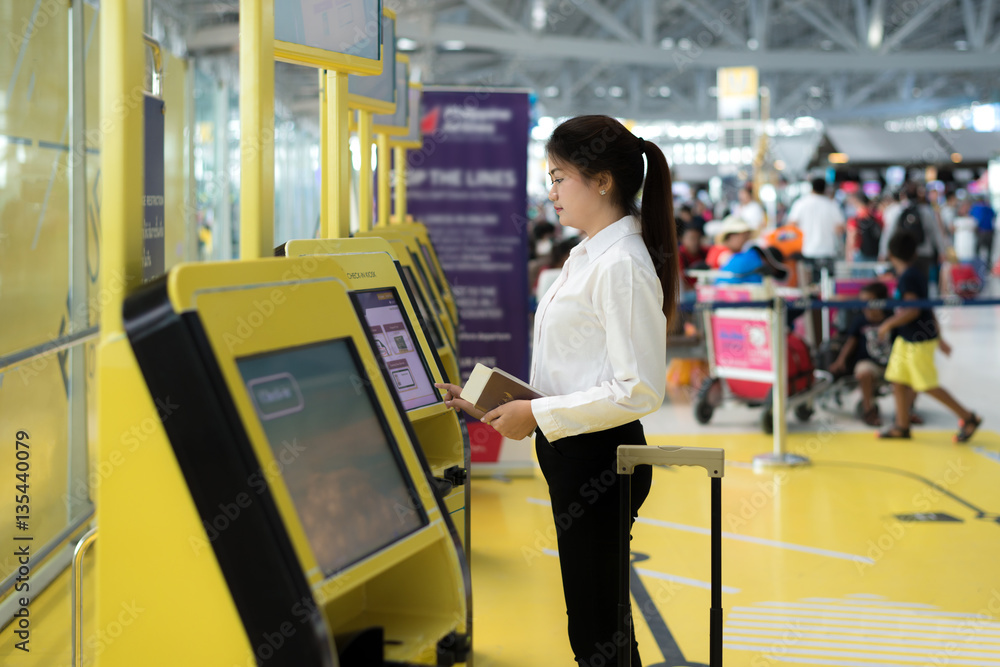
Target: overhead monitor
<point>348,480</point>
<point>393,338</point>
<point>397,123</point>
<point>413,137</point>
<point>343,35</point>
<point>377,93</point>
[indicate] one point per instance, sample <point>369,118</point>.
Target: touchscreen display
<point>424,312</point>
<point>350,27</point>
<point>334,450</point>
<point>390,328</point>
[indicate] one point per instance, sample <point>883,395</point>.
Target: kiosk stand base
<point>713,461</point>
<point>783,459</point>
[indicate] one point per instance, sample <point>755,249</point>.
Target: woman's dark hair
<point>598,144</point>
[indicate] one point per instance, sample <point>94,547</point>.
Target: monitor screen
<point>432,266</point>
<point>336,454</point>
<point>401,117</point>
<point>350,27</point>
<point>393,338</point>
<point>423,312</point>
<point>382,86</point>
<point>422,275</point>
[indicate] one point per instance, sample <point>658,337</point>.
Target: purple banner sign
<point>468,184</point>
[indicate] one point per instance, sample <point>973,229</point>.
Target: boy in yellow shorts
<point>911,363</point>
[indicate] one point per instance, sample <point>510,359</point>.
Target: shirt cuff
<point>541,408</point>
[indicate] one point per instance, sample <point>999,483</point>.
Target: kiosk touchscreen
<point>285,415</point>
<point>396,344</point>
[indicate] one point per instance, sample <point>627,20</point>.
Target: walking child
<point>911,366</point>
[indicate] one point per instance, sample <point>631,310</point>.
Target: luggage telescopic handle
<point>712,460</point>
<point>714,463</point>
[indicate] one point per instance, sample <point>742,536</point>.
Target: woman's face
<point>575,198</point>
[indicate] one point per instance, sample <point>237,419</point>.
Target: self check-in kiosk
<point>383,303</point>
<point>339,542</point>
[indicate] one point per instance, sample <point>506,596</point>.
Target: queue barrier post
<point>714,463</point>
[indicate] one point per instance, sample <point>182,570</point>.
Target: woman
<point>600,356</point>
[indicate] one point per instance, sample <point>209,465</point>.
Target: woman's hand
<point>513,420</point>
<point>453,399</point>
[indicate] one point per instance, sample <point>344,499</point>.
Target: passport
<point>488,388</point>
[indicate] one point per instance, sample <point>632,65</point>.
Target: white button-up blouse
<point>600,337</point>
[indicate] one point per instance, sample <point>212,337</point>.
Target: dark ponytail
<point>658,228</point>
<point>597,144</point>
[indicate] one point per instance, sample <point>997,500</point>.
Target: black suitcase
<point>714,463</point>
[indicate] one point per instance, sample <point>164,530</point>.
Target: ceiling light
<point>684,44</point>
<point>539,15</point>
<point>664,91</point>
<point>779,165</point>
<point>552,91</point>
<point>453,45</point>
<point>616,91</point>
<point>600,91</point>
<point>406,44</point>
<point>667,43</point>
<point>838,158</point>
<point>956,157</point>
<point>753,44</point>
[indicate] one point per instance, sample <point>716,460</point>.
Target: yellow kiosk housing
<point>318,506</point>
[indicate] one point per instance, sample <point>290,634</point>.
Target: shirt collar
<point>607,237</point>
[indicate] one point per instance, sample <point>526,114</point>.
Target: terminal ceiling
<point>837,60</point>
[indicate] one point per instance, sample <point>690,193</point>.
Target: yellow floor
<point>818,567</point>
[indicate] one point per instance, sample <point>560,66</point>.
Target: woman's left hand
<point>512,420</point>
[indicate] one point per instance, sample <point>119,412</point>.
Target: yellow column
<point>122,83</point>
<point>324,171</point>
<point>256,128</point>
<point>400,161</point>
<point>365,174</point>
<point>338,156</point>
<point>384,173</point>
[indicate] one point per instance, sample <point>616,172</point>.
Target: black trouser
<point>583,486</point>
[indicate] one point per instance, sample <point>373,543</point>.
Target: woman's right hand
<point>453,399</point>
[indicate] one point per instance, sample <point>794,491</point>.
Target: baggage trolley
<point>714,463</point>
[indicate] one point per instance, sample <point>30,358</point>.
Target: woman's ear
<point>604,182</point>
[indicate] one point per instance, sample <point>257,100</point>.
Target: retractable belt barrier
<point>816,304</point>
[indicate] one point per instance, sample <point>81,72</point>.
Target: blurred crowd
<point>824,225</point>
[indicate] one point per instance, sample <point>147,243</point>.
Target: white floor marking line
<point>970,651</point>
<point>751,627</point>
<point>855,599</point>
<point>988,453</point>
<point>754,636</point>
<point>866,610</point>
<point>758,612</point>
<point>787,651</point>
<point>846,620</point>
<point>687,581</point>
<point>742,538</point>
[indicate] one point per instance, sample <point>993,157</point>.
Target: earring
<point>603,192</point>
